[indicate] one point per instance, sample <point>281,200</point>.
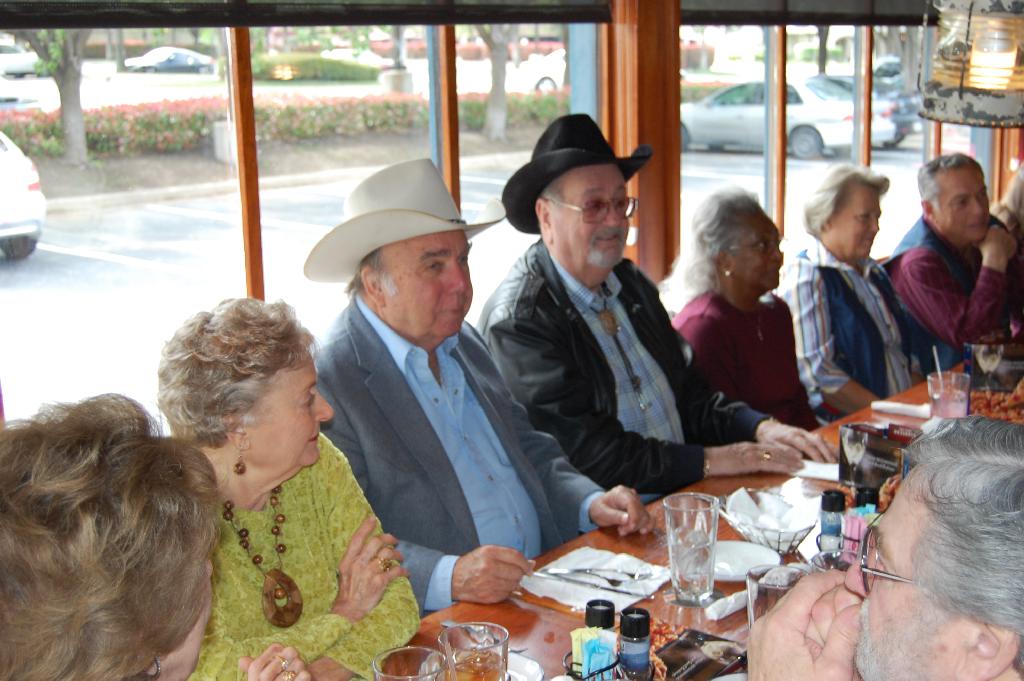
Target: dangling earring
<point>239,467</point>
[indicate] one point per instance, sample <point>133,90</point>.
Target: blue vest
<point>859,349</point>
<point>921,236</point>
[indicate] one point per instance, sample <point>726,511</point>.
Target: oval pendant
<point>281,615</point>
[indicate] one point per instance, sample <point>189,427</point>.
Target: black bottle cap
<point>865,496</point>
<point>600,614</point>
<point>833,501</point>
<point>635,623</point>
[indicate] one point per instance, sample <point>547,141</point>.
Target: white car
<point>541,73</point>
<point>22,204</point>
<point>16,61</point>
<point>819,116</point>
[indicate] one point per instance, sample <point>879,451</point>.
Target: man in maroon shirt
<point>958,270</point>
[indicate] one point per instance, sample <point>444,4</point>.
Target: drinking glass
<point>948,393</point>
<point>475,651</point>
<point>410,663</point>
<point>987,358</point>
<point>691,530</point>
<point>767,584</point>
<point>834,560</point>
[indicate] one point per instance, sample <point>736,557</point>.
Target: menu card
<point>699,656</point>
<point>997,380</point>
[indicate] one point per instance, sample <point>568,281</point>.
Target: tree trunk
<point>61,51</point>
<point>496,121</point>
<point>822,48</point>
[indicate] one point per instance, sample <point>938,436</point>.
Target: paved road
<point>89,311</point>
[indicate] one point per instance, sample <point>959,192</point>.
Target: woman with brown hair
<point>104,546</point>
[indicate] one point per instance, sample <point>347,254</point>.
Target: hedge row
<point>297,66</point>
<point>187,124</point>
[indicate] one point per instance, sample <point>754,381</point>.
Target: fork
<point>627,576</point>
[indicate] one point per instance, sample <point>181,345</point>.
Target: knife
<point>583,582</point>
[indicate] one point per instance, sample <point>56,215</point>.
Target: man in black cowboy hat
<point>582,340</point>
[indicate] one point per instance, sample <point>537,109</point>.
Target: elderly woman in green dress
<point>301,557</point>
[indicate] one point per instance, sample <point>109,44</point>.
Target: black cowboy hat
<point>569,142</point>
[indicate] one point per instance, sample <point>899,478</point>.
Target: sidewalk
<point>111,182</point>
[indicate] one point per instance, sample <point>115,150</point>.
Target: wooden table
<point>542,626</point>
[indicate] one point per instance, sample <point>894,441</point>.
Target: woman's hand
<point>368,566</point>
<point>276,663</point>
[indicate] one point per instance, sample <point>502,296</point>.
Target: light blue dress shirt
<point>502,510</point>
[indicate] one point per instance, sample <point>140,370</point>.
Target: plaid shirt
<point>803,289</point>
<point>650,411</point>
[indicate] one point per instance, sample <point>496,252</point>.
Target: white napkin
<point>921,411</point>
<point>724,607</point>
<point>577,595</point>
<point>819,471</point>
<point>771,511</point>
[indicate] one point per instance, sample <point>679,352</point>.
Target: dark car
<point>170,60</point>
<point>888,102</point>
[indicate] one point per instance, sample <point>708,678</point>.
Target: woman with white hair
<point>742,336</point>
<point>852,333</point>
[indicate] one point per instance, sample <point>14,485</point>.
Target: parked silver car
<point>22,204</point>
<point>819,116</point>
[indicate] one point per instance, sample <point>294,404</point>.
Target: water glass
<point>834,560</point>
<point>475,651</point>
<point>691,530</point>
<point>948,391</point>
<point>767,584</point>
<point>409,663</point>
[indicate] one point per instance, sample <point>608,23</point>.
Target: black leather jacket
<point>553,365</point>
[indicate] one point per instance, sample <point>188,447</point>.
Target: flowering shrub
<point>185,125</point>
<point>298,66</point>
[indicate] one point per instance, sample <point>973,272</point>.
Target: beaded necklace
<point>282,600</point>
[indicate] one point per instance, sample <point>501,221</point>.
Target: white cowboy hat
<point>400,202</point>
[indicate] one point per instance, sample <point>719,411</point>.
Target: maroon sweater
<point>757,368</point>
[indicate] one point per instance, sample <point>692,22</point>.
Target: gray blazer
<point>400,463</point>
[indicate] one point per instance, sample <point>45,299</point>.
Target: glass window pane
<point>896,98</point>
<point>494,144</point>
<point>722,114</point>
<point>334,104</point>
<point>141,233</point>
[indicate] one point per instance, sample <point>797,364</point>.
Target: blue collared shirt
<point>502,510</point>
<point>650,410</point>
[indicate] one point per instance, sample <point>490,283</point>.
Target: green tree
<point>61,52</point>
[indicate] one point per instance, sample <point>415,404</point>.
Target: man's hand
<point>743,458</point>
<point>488,574</point>
<point>807,444</point>
<point>621,507</point>
<point>997,248</point>
<point>811,635</point>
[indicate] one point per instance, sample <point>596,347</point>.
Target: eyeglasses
<point>762,246</point>
<point>869,558</point>
<point>596,210</point>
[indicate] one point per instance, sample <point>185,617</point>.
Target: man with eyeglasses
<point>938,589</point>
<point>583,341</point>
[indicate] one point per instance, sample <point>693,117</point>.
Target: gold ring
<point>284,662</point>
<point>289,676</point>
<point>766,455</point>
<point>385,564</point>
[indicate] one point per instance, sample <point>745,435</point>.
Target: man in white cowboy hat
<point>446,457</point>
<point>581,337</point>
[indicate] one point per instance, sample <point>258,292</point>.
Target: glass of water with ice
<point>691,529</point>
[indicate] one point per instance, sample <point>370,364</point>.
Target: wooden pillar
<point>864,95</point>
<point>248,171</point>
<point>449,112</point>
<point>640,98</point>
<point>779,140</point>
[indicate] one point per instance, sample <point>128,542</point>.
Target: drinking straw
<point>938,367</point>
